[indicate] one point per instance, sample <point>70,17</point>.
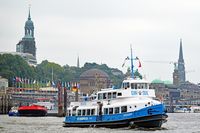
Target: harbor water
<point>177,123</point>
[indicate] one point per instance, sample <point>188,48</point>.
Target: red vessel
<point>32,110</point>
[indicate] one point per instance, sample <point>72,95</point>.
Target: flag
<point>68,86</point>
<point>74,89</point>
<point>139,64</point>
<point>127,58</point>
<point>34,81</point>
<point>48,84</point>
<point>53,84</point>
<point>78,85</point>
<point>18,79</point>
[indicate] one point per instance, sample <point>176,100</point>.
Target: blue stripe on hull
<point>148,111</point>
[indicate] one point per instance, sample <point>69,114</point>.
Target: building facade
<point>3,83</point>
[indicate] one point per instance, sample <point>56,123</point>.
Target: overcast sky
<point>101,31</point>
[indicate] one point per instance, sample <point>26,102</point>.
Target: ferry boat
<point>133,105</point>
<point>32,110</point>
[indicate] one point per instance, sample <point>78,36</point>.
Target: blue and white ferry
<point>132,105</point>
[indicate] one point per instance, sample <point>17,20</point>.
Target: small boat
<point>32,110</point>
<point>182,110</point>
<point>13,111</point>
<point>133,105</point>
<point>195,109</point>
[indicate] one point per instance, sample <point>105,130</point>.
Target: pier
<point>5,103</point>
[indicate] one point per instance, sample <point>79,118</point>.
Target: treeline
<point>14,66</point>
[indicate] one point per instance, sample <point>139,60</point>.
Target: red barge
<point>32,110</point>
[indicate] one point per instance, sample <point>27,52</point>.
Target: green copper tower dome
<point>29,27</point>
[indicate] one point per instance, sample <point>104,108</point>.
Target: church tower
<point>175,75</point>
<point>181,65</point>
<point>27,44</point>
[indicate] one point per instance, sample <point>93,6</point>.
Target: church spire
<point>78,64</point>
<point>181,52</point>
<point>181,65</point>
<point>29,14</point>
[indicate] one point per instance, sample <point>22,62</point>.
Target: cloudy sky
<point>101,31</point>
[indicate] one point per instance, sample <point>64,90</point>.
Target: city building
<point>3,83</point>
<point>93,80</point>
<point>27,44</point>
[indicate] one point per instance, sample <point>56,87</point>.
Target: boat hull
<point>149,117</point>
<point>10,113</point>
<point>146,122</point>
<point>33,110</point>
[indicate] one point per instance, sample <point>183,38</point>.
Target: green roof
<point>157,81</point>
<point>167,82</point>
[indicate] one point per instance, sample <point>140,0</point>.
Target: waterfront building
<point>3,83</point>
<point>93,80</point>
<point>27,44</point>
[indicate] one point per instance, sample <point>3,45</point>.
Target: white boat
<point>182,110</point>
<point>131,105</point>
<point>195,109</point>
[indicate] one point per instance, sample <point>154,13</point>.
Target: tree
<point>15,66</point>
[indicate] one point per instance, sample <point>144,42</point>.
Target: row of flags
<point>25,82</point>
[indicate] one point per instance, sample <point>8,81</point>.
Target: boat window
<point>142,86</point>
<point>126,85</point>
<point>114,94</point>
<point>88,111</point>
<point>93,112</point>
<point>123,85</point>
<point>104,95</point>
<point>100,96</point>
<point>69,113</point>
<point>110,110</point>
<point>73,113</point>
<point>135,86</point>
<point>116,110</point>
<point>109,95</point>
<point>123,109</point>
<point>105,111</point>
<point>132,86</point>
<point>83,112</point>
<point>146,86</point>
<point>119,94</point>
<point>79,112</point>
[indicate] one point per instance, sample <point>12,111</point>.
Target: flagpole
<point>52,74</point>
<point>132,72</point>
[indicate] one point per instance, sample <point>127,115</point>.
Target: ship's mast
<point>132,66</point>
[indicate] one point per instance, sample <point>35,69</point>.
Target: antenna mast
<point>132,66</point>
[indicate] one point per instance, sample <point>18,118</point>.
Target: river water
<point>177,123</point>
